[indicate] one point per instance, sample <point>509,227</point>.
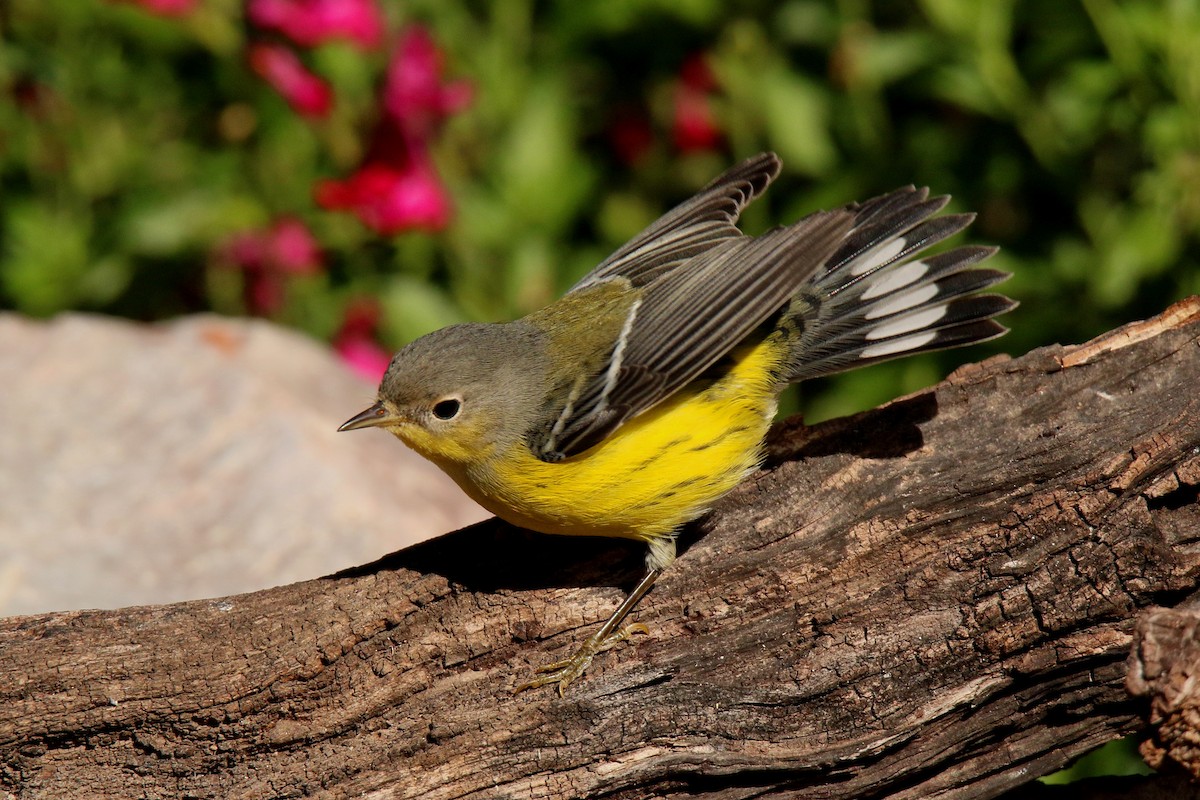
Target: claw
<point>566,671</point>
<point>621,635</point>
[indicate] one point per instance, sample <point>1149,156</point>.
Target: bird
<point>631,404</point>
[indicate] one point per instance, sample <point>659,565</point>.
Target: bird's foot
<point>565,671</point>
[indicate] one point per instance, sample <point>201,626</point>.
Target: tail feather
<point>876,300</point>
<point>878,207</point>
<point>873,243</point>
<point>893,250</point>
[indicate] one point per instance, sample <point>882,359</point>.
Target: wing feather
<point>694,226</point>
<point>692,316</point>
<point>697,287</point>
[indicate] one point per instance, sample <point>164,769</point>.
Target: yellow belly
<point>656,472</point>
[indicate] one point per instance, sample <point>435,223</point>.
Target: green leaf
<point>544,177</point>
<point>798,123</point>
<point>46,258</point>
<point>413,308</point>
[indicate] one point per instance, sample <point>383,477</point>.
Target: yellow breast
<point>656,472</point>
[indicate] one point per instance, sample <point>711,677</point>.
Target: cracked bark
<point>932,599</point>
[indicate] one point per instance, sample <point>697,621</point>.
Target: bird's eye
<point>448,408</point>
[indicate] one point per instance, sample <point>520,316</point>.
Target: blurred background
<point>365,171</point>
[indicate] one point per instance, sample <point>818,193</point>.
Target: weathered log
<point>931,599</point>
<point>1164,665</point>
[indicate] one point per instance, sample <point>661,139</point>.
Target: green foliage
<point>134,146</point>
<point>1118,757</point>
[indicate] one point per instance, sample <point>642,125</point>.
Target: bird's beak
<point>373,417</point>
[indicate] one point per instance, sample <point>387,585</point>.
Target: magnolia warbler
<point>631,404</point>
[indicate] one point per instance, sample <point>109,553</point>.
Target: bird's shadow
<point>890,431</point>
<point>493,555</point>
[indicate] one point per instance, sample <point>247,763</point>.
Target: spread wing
<point>695,287</point>
<point>694,226</point>
<point>703,290</point>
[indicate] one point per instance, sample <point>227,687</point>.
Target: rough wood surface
<point>931,600</point>
<point>1164,665</point>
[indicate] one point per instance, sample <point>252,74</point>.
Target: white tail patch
<point>899,345</point>
<point>896,278</point>
<point>907,324</point>
<point>878,256</point>
<point>903,302</point>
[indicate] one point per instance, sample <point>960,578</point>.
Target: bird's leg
<point>609,635</point>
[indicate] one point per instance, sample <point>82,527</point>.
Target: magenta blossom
<point>396,188</point>
<point>306,93</point>
<point>390,198</point>
<point>267,257</point>
<point>312,22</point>
<point>413,94</point>
<point>365,357</point>
<point>694,126</point>
<point>355,340</point>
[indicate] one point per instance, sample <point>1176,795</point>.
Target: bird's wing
<point>880,297</point>
<point>694,226</point>
<point>687,319</point>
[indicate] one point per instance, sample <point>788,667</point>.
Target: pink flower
<point>355,340</point>
<point>168,8</point>
<point>694,126</point>
<point>291,247</point>
<point>365,357</point>
<point>390,198</point>
<point>413,94</point>
<point>267,257</point>
<point>396,188</point>
<point>311,22</point>
<point>306,93</point>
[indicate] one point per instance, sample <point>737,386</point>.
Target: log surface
<point>935,599</point>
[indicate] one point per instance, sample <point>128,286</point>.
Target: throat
<point>451,452</point>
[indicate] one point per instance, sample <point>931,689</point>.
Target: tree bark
<point>1164,665</point>
<point>934,599</point>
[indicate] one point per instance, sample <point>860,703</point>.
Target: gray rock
<point>197,458</point>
